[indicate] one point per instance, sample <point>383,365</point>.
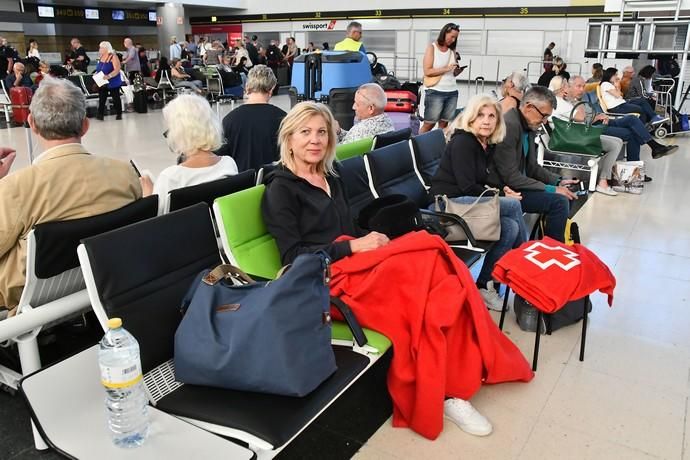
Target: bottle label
<point>120,376</point>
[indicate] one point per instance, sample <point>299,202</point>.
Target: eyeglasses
<point>454,27</point>
<point>543,116</point>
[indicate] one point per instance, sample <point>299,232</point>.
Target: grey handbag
<point>482,217</point>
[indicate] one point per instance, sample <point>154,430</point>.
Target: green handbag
<point>571,136</point>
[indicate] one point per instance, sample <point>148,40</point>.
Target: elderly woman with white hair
<point>467,168</point>
<point>109,65</point>
<point>192,130</point>
<point>512,90</point>
<point>369,107</point>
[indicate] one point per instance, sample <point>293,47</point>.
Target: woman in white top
<point>33,50</point>
<point>440,69</point>
<point>192,129</point>
<point>613,98</point>
<point>241,52</point>
<point>610,146</point>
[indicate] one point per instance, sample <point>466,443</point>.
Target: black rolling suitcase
<point>140,102</point>
<point>340,101</point>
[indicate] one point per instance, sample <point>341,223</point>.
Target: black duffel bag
<point>571,313</point>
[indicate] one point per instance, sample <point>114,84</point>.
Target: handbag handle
<point>344,309</point>
<point>225,271</point>
<point>588,122</point>
<point>445,198</point>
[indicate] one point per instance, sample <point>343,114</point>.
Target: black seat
<point>141,273</point>
<point>392,172</point>
<point>56,242</point>
<point>209,191</point>
<point>385,139</point>
<point>340,101</point>
<point>355,180</point>
<point>428,149</point>
<point>264,171</point>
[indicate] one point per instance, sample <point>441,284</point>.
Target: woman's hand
<point>146,186</point>
<point>510,193</point>
<point>373,240</point>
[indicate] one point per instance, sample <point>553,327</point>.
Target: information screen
<point>46,12</point>
<point>90,14</point>
<point>118,15</point>
<point>152,16</point>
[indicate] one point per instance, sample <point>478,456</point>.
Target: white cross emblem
<point>551,255</point>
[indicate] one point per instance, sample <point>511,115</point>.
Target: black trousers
<point>103,94</point>
<point>131,76</point>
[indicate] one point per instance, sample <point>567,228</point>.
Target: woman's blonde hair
<point>471,112</point>
<point>558,65</point>
<point>107,46</point>
<point>191,125</point>
<point>294,120</point>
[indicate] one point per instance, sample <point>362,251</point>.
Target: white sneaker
<point>606,190</point>
<point>466,417</point>
<point>491,297</point>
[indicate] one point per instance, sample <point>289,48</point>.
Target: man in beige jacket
<point>65,182</point>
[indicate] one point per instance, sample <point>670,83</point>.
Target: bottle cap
<point>114,323</point>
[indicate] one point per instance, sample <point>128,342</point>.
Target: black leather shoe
<point>99,117</point>
<point>663,151</point>
<point>647,178</point>
<point>119,117</point>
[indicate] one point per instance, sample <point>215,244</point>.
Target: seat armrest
<point>456,220</point>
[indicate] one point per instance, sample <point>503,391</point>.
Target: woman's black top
<point>465,167</point>
<point>303,218</point>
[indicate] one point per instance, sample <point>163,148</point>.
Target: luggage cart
<point>663,90</point>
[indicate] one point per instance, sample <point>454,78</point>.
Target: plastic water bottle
<point>125,401</point>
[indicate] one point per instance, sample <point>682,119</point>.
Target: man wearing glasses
<point>542,191</point>
<point>370,119</point>
<point>353,41</point>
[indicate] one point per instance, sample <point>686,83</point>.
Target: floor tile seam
<point>666,390</point>
<point>599,437</point>
<point>614,332</point>
<point>661,277</point>
<point>685,430</point>
<point>538,416</point>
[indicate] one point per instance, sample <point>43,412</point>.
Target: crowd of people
<point>491,143</point>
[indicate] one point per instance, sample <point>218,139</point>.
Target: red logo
<point>331,24</point>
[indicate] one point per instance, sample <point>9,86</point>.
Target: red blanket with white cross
<point>548,274</point>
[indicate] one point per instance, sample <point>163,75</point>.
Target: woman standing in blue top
<point>109,64</point>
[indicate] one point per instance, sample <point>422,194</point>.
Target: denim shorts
<point>439,105</point>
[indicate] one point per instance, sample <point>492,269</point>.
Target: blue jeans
<point>439,105</point>
<point>513,233</point>
<point>631,130</point>
<point>556,208</point>
<point>639,105</point>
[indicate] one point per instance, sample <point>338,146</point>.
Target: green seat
<point>243,233</point>
<point>245,237</point>
<point>353,149</point>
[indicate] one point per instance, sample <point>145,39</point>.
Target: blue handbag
<point>267,337</point>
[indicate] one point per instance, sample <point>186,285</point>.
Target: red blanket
<point>548,274</point>
<point>417,293</point>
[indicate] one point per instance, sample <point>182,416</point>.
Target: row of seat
<point>141,271</point>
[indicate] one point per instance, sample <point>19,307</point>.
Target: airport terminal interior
<point>628,398</point>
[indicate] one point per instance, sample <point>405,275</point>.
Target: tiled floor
<point>627,400</point>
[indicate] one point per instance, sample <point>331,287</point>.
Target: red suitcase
<point>20,97</point>
<point>401,101</point>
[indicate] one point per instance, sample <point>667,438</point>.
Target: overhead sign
<point>80,15</point>
<point>319,25</point>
